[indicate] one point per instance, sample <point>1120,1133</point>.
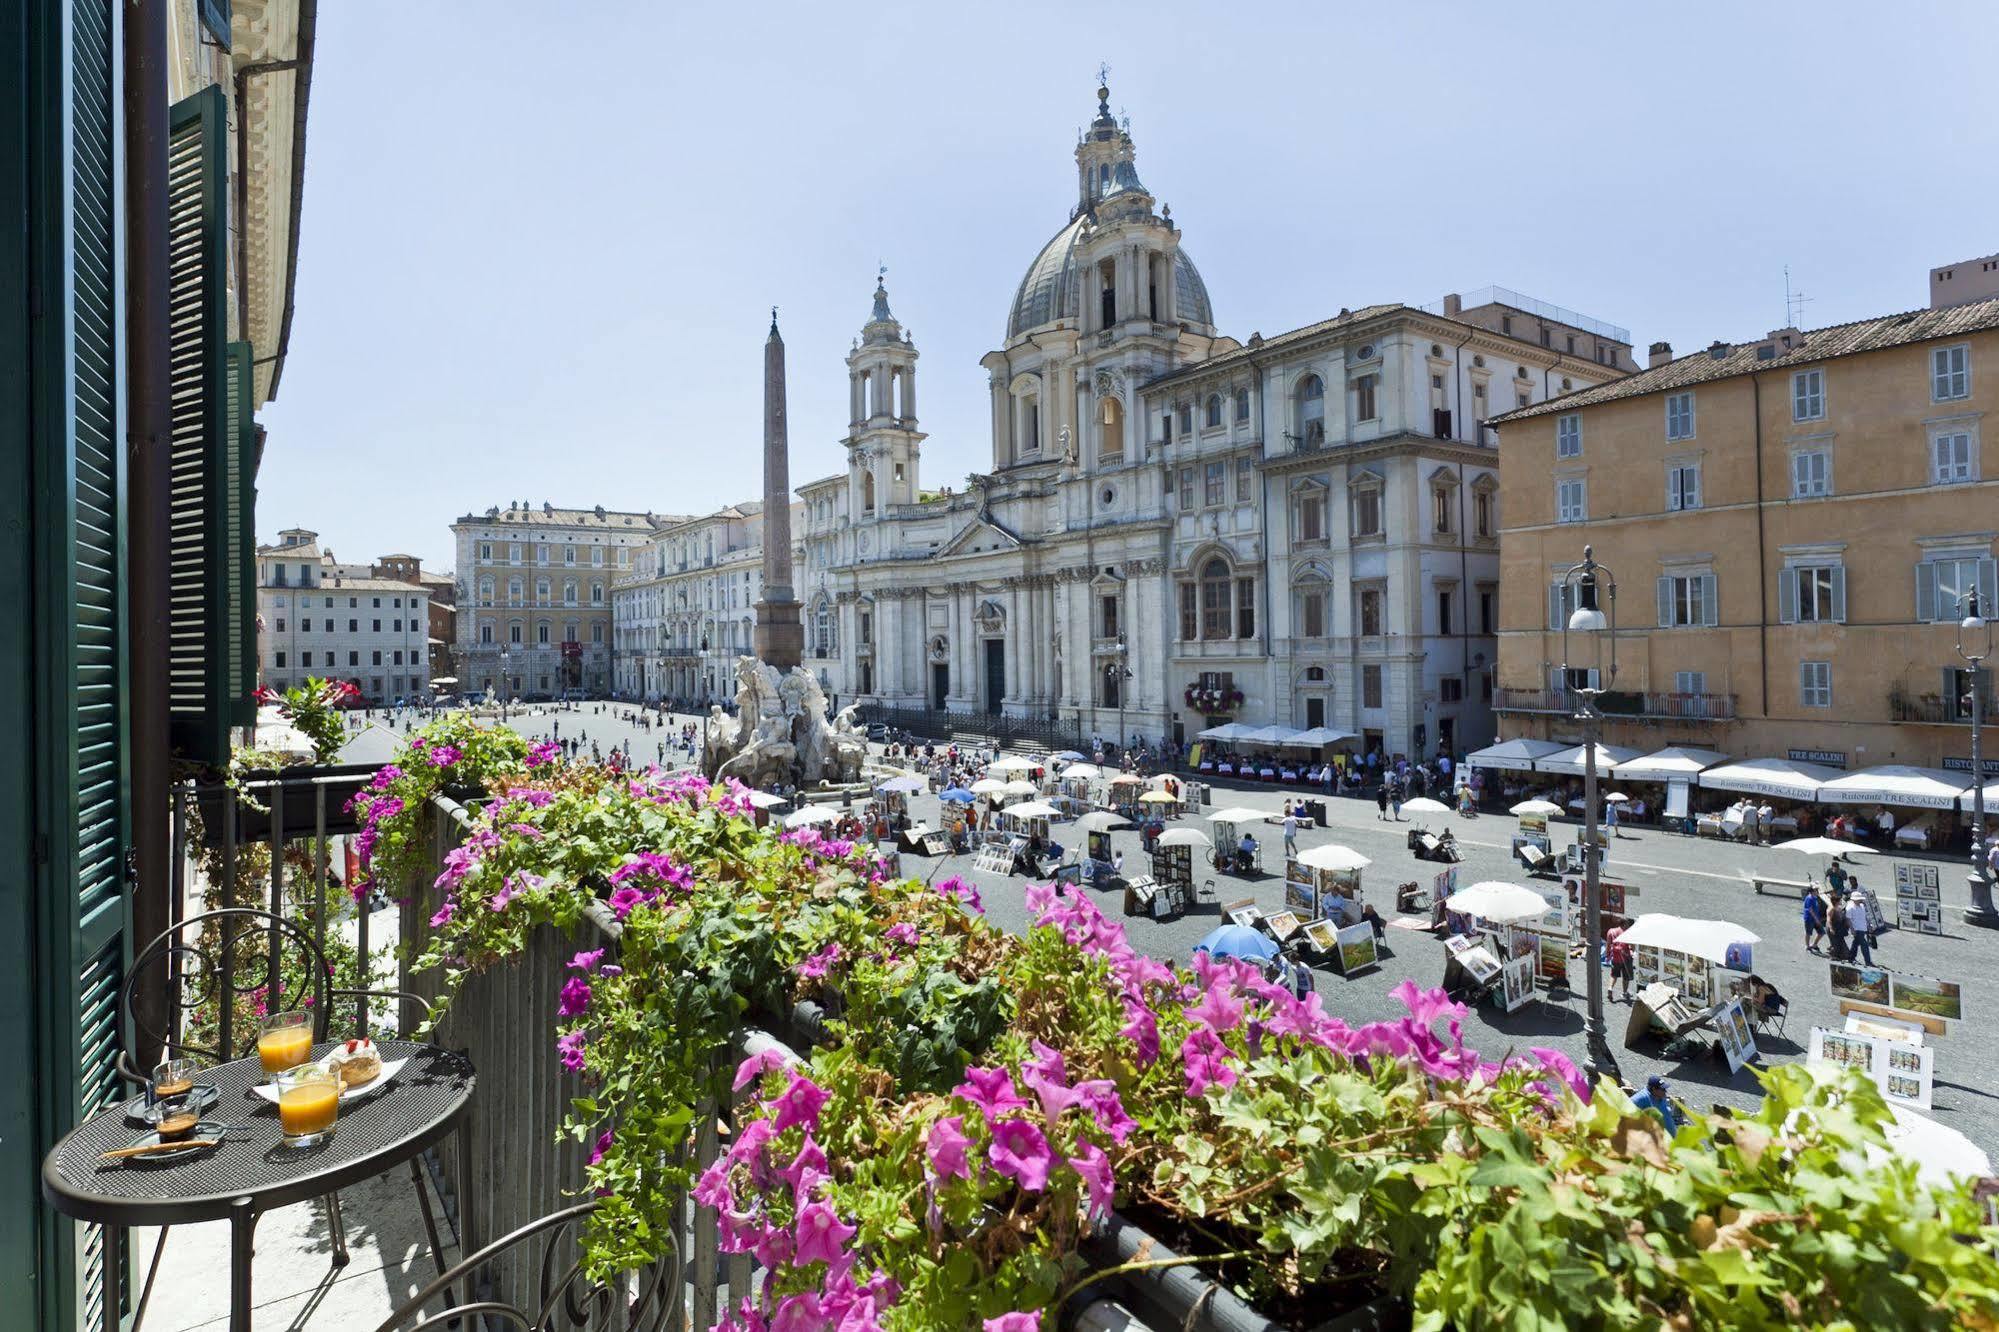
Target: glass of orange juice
<point>308,1103</point>
<point>284,1041</point>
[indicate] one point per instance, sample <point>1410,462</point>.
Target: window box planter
<point>298,806</point>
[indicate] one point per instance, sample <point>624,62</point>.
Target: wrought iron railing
<point>1621,703</point>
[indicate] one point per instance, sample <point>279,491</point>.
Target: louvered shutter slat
<point>1710,611</point>
<point>1787,596</point>
<point>1839,593</point>
<point>1926,591</point>
<point>203,630</point>
<point>1665,603</point>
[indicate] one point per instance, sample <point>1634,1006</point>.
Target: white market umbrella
<point>1159,780</point>
<point>1226,731</point>
<point>1033,809</point>
<point>1317,737</point>
<point>1127,779</point>
<point>1826,846</point>
<point>1425,805</point>
<point>1158,798</point>
<point>1338,858</point>
<point>763,799</point>
<point>1081,770</point>
<point>1787,779</point>
<point>1572,760</point>
<point>1941,1153</point>
<point>1500,903</point>
<point>1270,735</point>
<point>1897,784</point>
<point>1614,798</point>
<point>1012,763</point>
<point>1019,788</point>
<point>902,785</point>
<point>1239,814</point>
<point>1102,820</point>
<point>1526,807</point>
<point>811,814</point>
<point>988,786</point>
<point>1683,934</point>
<point>1184,837</point>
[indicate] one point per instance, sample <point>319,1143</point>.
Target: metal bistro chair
<point>647,1300</point>
<point>197,970</point>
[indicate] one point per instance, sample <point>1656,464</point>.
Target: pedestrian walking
<point>1813,911</point>
<point>1856,918</point>
<point>1623,961</point>
<point>1381,801</point>
<point>1290,831</point>
<point>1838,930</point>
<point>1395,798</point>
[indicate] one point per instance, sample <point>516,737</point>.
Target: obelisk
<point>780,633</point>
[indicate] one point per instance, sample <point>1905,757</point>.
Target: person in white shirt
<point>1887,824</point>
<point>1766,819</point>
<point>1863,942</point>
<point>1290,831</point>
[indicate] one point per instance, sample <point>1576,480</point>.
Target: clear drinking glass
<point>308,1103</point>
<point>285,1041</point>
<point>171,1090</point>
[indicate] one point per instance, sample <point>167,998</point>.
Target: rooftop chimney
<point>1454,305</point>
<point>1661,353</point>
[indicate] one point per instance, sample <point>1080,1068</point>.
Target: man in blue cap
<point>1656,1099</point>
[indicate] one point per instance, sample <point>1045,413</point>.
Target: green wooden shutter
<point>240,542</point>
<point>64,818</point>
<point>200,628</point>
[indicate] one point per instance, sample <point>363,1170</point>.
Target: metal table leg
<point>242,1247</point>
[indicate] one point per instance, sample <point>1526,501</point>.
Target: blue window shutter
<point>200,628</point>
<point>1926,592</point>
<point>215,17</point>
<point>239,593</point>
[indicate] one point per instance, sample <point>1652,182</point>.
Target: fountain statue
<point>780,736</point>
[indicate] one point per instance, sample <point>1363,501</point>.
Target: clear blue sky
<point>540,242</point>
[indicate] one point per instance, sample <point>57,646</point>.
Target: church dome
<point>1052,290</point>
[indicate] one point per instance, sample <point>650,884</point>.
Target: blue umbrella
<point>956,795</point>
<point>1237,941</point>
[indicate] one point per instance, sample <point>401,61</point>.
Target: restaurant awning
<point>1675,764</point>
<point>1513,755</point>
<point>1608,757</point>
<point>1318,737</point>
<point>1787,779</point>
<point>1269,735</point>
<point>1897,784</point>
<point>1226,731</point>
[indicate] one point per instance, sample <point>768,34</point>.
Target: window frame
<point>1677,472</point>
<point>1814,684</point>
<point>1579,512</point>
<point>1569,435</point>
<point>1948,384</point>
<point>1808,394</point>
<point>1824,482</point>
<point>1941,435</point>
<point>1681,422</point>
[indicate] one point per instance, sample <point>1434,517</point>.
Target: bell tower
<point>882,438</point>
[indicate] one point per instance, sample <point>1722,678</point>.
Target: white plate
<point>390,1067</point>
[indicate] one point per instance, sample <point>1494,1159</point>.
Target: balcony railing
<point>1621,703</point>
<point>1936,709</point>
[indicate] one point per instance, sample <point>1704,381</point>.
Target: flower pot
<point>300,809</point>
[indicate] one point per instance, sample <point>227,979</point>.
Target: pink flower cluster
<point>755,1186</point>
<point>646,878</point>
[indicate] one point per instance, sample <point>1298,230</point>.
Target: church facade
<point>1177,527</point>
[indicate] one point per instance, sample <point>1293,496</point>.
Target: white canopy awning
<point>1081,771</point>
<point>763,799</point>
<point>1333,858</point>
<point>1269,735</point>
<point>1675,764</point>
<point>1684,934</point>
<point>1184,837</point>
<point>1013,763</point>
<point>1787,779</point>
<point>1571,760</point>
<point>1238,814</point>
<point>811,814</point>
<point>1513,755</point>
<point>1500,903</point>
<point>1897,784</point>
<point>1031,809</point>
<point>1317,737</point>
<point>1226,731</point>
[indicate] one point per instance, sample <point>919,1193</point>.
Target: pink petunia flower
<point>575,997</point>
<point>820,1234</point>
<point>990,1090</point>
<point>1015,1322</point>
<point>799,1103</point>
<point>1020,1152</point>
<point>945,1147</point>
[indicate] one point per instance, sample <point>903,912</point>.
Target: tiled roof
<point>1821,344</point>
<point>350,585</point>
<point>1277,343</point>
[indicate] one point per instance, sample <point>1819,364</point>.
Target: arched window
<point>485,632</point>
<point>541,632</point>
<point>868,492</point>
<point>1212,412</point>
<point>1312,410</point>
<point>541,592</point>
<point>569,632</point>
<point>596,594</point>
<point>569,592</point>
<point>1110,444</point>
<point>486,591</point>
<point>514,631</point>
<point>513,591</point>
<point>1215,596</point>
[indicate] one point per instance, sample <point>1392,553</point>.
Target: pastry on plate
<point>357,1062</point>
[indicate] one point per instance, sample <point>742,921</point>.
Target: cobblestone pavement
<point>1673,873</point>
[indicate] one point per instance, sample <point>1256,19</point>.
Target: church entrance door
<point>995,674</point>
<point>940,684</point>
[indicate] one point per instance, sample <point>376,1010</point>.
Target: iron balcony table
<point>253,1172</point>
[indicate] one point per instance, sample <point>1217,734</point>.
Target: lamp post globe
<point>1974,644</point>
<point>1589,663</point>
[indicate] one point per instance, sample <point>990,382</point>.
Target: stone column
<point>780,634</point>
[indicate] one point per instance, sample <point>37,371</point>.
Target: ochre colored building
<point>1790,524</point>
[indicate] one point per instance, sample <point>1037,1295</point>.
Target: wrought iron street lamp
<point>1117,673</point>
<point>1974,644</point>
<point>506,654</point>
<point>1589,663</point>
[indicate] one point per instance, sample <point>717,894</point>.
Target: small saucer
<point>201,1100</point>
<point>213,1130</point>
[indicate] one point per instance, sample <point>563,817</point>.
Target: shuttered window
<point>1942,584</point>
<point>64,825</point>
<point>210,667</point>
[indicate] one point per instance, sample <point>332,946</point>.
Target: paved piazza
<point>1674,873</point>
